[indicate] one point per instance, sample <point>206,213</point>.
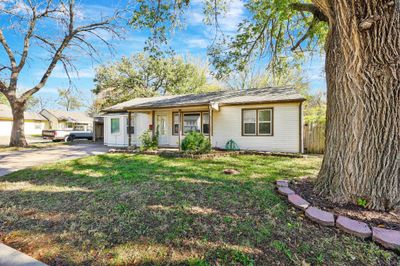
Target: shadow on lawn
<point>123,209</point>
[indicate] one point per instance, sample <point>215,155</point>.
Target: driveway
<point>16,160</point>
<point>5,140</point>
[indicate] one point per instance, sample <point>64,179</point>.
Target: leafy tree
<point>141,75</point>
<point>55,27</point>
<point>3,99</point>
<point>361,41</point>
<point>69,100</point>
<point>315,109</point>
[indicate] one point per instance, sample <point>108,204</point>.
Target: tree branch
<point>305,36</point>
<point>8,50</point>
<point>318,14</point>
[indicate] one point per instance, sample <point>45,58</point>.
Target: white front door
<point>161,127</point>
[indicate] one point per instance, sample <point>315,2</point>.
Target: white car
<point>66,135</point>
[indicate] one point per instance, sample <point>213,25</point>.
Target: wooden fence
<point>314,138</point>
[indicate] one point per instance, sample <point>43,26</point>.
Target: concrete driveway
<point>16,160</point>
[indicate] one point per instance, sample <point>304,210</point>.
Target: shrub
<point>149,142</point>
<point>196,142</point>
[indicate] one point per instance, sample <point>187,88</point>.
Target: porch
<point>170,124</point>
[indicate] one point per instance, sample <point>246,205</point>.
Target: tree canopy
<point>141,75</point>
<point>3,99</point>
<point>279,32</point>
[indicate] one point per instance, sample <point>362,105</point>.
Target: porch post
<point>129,129</point>
<point>180,129</point>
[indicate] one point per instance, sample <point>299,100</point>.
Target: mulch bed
<point>305,188</point>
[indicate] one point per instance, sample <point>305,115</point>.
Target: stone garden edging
<point>389,239</point>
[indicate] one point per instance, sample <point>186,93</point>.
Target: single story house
<point>67,120</point>
<point>34,123</point>
<point>266,119</point>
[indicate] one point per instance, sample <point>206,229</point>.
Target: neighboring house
<point>60,120</point>
<point>267,119</point>
<point>34,123</point>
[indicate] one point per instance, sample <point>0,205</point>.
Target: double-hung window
<point>257,122</point>
<point>264,122</point>
<point>176,123</point>
<point>206,123</point>
<point>114,125</point>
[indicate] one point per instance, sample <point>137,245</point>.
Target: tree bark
<point>17,133</point>
<point>362,153</point>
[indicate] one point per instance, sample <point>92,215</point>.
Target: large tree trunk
<point>362,156</point>
<point>17,134</point>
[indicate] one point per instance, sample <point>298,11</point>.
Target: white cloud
<point>235,14</point>
<point>197,43</point>
<point>228,21</point>
<point>59,73</point>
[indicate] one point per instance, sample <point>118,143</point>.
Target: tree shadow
<point>146,210</point>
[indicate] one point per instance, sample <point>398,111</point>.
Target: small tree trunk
<point>17,134</point>
<point>362,154</point>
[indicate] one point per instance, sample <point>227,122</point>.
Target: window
<point>114,125</point>
<point>176,123</point>
<point>70,125</point>
<point>38,125</point>
<point>265,122</point>
<point>257,122</point>
<point>132,125</point>
<point>249,122</point>
<point>206,123</point>
<point>191,122</point>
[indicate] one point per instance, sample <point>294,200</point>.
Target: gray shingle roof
<point>268,94</point>
<point>79,117</point>
<point>5,112</point>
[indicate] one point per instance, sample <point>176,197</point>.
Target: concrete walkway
<point>12,257</point>
<point>17,160</point>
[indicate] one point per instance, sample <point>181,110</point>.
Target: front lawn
<point>141,209</point>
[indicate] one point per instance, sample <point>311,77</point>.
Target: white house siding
<point>35,127</point>
<point>227,126</point>
<point>30,127</point>
<point>121,139</point>
<point>5,127</point>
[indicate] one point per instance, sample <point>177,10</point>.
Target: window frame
<point>173,123</point>
<point>257,110</point>
<point>119,126</point>
<point>200,113</point>
<point>202,123</point>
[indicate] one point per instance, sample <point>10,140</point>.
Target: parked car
<point>66,135</point>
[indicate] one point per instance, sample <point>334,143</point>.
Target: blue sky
<point>193,38</point>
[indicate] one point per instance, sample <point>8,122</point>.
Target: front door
<point>161,127</point>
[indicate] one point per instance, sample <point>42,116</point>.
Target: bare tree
<point>37,103</point>
<point>70,33</point>
<point>69,100</point>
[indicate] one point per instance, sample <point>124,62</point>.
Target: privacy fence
<point>314,138</point>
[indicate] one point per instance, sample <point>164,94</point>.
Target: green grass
<point>121,209</point>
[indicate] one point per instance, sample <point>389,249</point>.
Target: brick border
<point>389,239</point>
